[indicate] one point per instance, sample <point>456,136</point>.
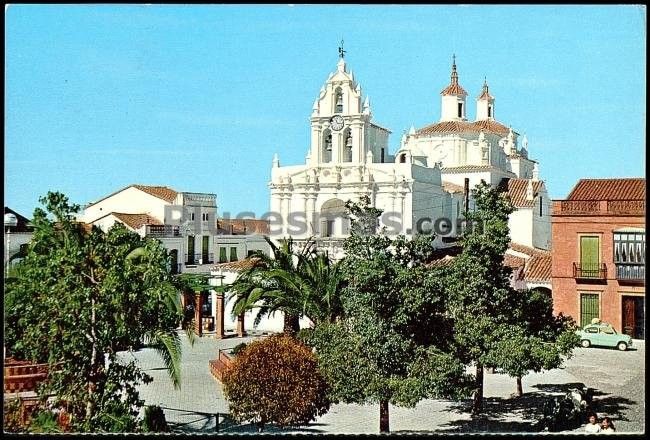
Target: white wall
<point>520,223</point>
<point>273,323</point>
<point>129,201</point>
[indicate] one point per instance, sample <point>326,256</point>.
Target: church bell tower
<point>339,120</point>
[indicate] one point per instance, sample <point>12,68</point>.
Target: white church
<point>418,185</point>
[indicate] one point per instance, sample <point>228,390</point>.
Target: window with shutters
<point>589,266</point>
<point>629,255</point>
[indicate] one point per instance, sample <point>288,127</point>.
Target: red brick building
<point>598,253</point>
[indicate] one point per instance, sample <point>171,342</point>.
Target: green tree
<point>78,298</point>
<point>296,283</point>
<point>276,380</point>
<point>495,325</point>
<point>537,340</point>
<point>392,343</point>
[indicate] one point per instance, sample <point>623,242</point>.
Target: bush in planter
<point>276,380</point>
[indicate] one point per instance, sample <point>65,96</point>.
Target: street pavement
<point>618,379</point>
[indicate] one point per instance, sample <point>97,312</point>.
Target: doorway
<point>634,316</point>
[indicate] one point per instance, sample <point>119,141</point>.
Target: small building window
<point>489,111</point>
<point>382,154</point>
<point>223,257</point>
<point>233,253</point>
<point>192,216</point>
<point>540,207</point>
<point>460,109</point>
<point>402,158</point>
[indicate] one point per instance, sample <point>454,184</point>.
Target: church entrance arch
<point>333,219</point>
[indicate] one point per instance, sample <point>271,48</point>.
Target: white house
<point>17,235</point>
<point>185,222</point>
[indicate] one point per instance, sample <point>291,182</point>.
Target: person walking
<point>607,427</point>
<point>592,427</point>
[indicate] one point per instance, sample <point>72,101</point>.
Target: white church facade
<point>420,184</point>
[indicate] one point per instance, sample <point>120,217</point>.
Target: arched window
<point>348,146</point>
<point>338,101</point>
<point>540,206</point>
<point>327,146</point>
<point>402,158</point>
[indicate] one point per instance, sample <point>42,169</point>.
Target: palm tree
<point>299,284</point>
<point>165,340</point>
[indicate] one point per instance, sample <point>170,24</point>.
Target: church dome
<point>462,127</point>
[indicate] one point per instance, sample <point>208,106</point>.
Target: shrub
<point>154,420</point>
<point>276,380</point>
<point>238,348</point>
<point>44,422</point>
<point>12,410</point>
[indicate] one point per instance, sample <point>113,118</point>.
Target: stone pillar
<point>311,222</point>
<point>241,331</point>
<point>198,325</point>
<point>219,316</point>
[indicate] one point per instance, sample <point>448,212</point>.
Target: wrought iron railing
<point>162,231</point>
<point>590,271</point>
<point>630,271</point>
<point>186,421</point>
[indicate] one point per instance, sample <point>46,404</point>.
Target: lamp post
<point>10,222</point>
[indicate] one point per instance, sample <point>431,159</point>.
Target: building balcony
<point>630,272</point>
<point>590,271</point>
<point>162,231</point>
<point>198,259</point>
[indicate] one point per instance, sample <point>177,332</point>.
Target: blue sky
<point>199,98</point>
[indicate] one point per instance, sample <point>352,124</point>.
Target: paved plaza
<point>618,379</point>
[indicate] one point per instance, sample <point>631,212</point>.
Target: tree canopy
<point>391,344</point>
<point>276,380</point>
<point>78,298</point>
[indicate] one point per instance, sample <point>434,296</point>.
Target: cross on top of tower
<point>341,51</point>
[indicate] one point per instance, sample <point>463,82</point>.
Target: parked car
<point>604,335</point>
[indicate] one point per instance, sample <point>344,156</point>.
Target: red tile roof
<point>538,269</point>
<point>239,265</point>
<point>536,266</point>
<point>452,187</point>
<point>243,226</point>
<point>531,252</point>
<point>453,89</point>
<point>162,192</point>
<point>516,190</point>
<point>487,125</point>
<point>609,189</point>
<point>473,168</point>
<point>135,221</point>
<point>513,261</point>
